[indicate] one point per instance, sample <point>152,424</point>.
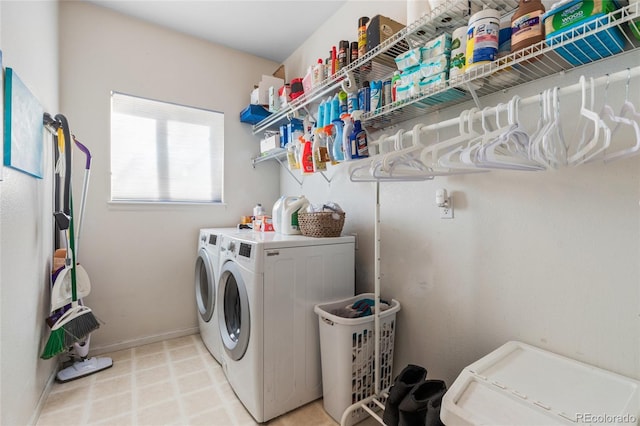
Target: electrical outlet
<point>446,212</point>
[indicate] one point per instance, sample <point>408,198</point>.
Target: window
<point>163,152</point>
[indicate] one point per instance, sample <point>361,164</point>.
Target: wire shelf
<point>565,51</point>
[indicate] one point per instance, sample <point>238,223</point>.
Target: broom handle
<point>85,186</point>
<point>67,147</point>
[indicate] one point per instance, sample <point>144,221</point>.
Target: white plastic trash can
<point>347,349</point>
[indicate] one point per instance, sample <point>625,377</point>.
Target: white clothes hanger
<point>588,146</point>
<point>628,109</point>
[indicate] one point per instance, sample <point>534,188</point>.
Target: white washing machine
<point>268,286</point>
<point>206,286</point>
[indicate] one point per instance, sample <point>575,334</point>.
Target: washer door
<point>205,285</point>
<point>234,318</point>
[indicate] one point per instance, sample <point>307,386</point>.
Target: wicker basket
<point>321,224</point>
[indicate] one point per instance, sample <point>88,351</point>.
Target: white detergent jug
<point>276,214</point>
<point>289,209</point>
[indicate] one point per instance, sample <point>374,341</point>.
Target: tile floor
<point>174,382</point>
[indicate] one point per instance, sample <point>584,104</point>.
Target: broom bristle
<point>79,327</point>
<point>55,345</point>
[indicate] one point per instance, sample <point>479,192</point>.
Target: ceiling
<point>265,28</point>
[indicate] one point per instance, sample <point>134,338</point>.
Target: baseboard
<point>99,350</point>
<point>43,397</point>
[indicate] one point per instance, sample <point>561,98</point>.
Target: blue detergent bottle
<point>335,109</point>
<point>358,138</point>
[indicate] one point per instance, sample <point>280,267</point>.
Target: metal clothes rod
<point>534,99</point>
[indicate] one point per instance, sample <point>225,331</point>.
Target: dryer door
<point>234,319</point>
<point>205,285</point>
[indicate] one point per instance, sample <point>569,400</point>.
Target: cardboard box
<point>381,28</point>
<point>260,94</point>
<point>263,224</point>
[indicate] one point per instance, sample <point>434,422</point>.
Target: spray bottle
<point>358,138</point>
<point>307,156</point>
<point>337,151</point>
<point>346,134</point>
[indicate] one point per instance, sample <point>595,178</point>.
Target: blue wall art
<point>23,128</point>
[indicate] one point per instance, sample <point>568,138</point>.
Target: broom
<point>78,322</point>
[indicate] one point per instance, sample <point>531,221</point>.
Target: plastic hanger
<point>628,109</point>
<point>509,150</point>
<point>587,148</point>
<point>553,143</point>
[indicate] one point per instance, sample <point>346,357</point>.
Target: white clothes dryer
<point>268,286</point>
<point>206,286</point>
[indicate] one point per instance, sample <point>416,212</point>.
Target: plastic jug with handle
<point>289,209</point>
<point>276,214</point>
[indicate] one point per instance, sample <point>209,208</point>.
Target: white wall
<point>141,258</point>
<point>28,39</point>
<point>549,258</point>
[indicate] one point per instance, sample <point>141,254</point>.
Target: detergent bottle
<point>290,208</point>
<point>320,154</point>
<point>276,214</point>
<point>306,160</point>
<point>346,134</point>
<point>337,151</point>
<point>358,138</point>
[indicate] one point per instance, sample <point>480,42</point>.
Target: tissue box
<point>269,143</point>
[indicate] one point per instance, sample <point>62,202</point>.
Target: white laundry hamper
<point>347,348</point>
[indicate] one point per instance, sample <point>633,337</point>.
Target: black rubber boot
<point>433,411</point>
<point>402,385</point>
<point>413,408</point>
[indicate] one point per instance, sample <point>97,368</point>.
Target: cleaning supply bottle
<point>395,82</point>
<point>318,73</point>
<point>291,206</point>
<point>337,151</point>
<point>307,156</point>
<point>276,214</point>
<point>346,137</point>
<point>320,116</point>
<point>527,27</point>
<point>342,97</point>
<point>376,95</point>
<point>292,156</point>
<point>364,97</point>
<point>320,156</point>
<point>335,109</point>
<point>358,138</point>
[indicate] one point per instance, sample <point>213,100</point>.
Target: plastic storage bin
<point>519,384</point>
<point>575,17</point>
<point>347,348</point>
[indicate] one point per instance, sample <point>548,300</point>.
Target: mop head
<point>75,325</point>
